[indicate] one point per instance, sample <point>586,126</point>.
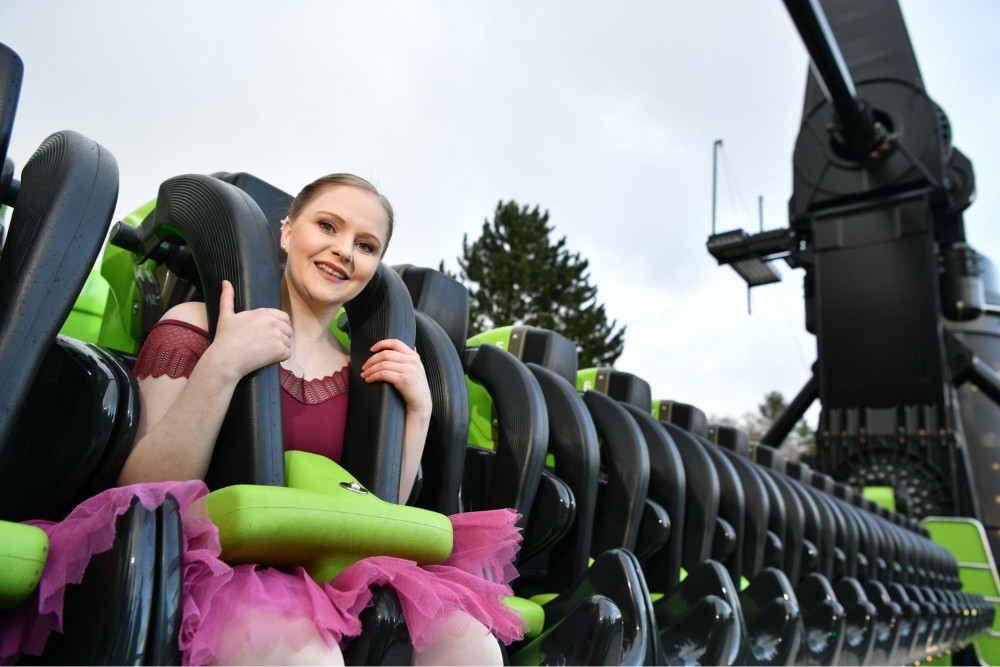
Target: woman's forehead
<point>353,204</point>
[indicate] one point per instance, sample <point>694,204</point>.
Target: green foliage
<point>517,276</point>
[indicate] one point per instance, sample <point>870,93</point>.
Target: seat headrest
<point>273,202</point>
<point>545,348</point>
<point>620,386</point>
<point>730,438</point>
<point>687,416</point>
<point>441,297</point>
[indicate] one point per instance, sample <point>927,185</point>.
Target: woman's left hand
<point>396,363</point>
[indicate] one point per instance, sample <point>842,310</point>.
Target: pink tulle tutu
<point>474,580</point>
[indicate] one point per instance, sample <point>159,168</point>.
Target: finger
<point>278,314</point>
<point>391,344</point>
<point>402,370</point>
<point>392,376</point>
<point>374,365</point>
<point>391,349</point>
<point>226,299</point>
<point>390,356</point>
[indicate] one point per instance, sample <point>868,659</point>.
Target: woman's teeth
<point>332,271</point>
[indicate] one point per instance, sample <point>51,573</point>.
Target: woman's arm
<point>180,418</point>
<point>394,362</point>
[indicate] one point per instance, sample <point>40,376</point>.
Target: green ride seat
<point>23,552</point>
<point>767,611</point>
<point>323,520</point>
<point>549,513</point>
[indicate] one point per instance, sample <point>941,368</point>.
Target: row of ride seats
<point>616,492</point>
<point>832,578</point>
<point>864,588</point>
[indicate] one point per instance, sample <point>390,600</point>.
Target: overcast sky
<point>602,113</point>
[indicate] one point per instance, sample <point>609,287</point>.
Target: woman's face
<point>335,244</point>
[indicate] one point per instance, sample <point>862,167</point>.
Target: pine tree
<point>517,276</point>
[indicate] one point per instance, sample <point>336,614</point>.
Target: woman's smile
<point>331,271</point>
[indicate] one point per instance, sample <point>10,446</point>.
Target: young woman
<point>335,235</point>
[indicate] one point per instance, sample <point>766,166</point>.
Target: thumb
<point>226,299</point>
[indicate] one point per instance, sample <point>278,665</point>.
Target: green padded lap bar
<point>531,612</point>
<point>23,550</point>
<point>322,520</point>
<point>482,415</point>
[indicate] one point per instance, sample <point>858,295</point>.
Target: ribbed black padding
<point>574,443</point>
<point>819,522</point>
<point>777,519</point>
<point>273,202</point>
<point>69,188</point>
<point>373,440</point>
<point>701,506</point>
<point>229,239</point>
<point>444,451</point>
<point>11,74</point>
<point>757,510</point>
<point>668,487</point>
<point>443,298</point>
<point>794,525</point>
<point>627,464</point>
<point>523,427</point>
<point>844,537</point>
<point>732,504</point>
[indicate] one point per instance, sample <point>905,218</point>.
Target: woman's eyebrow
<point>329,214</point>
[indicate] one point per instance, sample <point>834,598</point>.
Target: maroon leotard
<point>313,412</point>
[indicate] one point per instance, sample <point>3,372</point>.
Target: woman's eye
<point>325,226</point>
<point>366,247</point>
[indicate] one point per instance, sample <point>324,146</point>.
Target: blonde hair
<point>313,189</point>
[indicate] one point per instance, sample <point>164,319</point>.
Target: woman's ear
<point>286,233</point>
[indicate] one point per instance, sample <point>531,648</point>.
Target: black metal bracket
<point>967,367</point>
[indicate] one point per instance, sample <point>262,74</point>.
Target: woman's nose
<point>345,252</point>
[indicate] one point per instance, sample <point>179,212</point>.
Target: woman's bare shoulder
<point>191,312</point>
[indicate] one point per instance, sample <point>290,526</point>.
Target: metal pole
<point>785,422</point>
<point>860,130</point>
<point>715,167</point>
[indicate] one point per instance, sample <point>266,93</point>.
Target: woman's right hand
<point>250,339</point>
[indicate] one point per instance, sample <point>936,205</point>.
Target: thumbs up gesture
<point>251,339</point>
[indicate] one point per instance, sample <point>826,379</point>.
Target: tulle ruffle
<point>88,530</point>
<point>473,580</point>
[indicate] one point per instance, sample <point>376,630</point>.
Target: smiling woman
<point>335,235</point>
<point>334,244</point>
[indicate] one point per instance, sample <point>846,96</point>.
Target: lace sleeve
<point>172,348</point>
